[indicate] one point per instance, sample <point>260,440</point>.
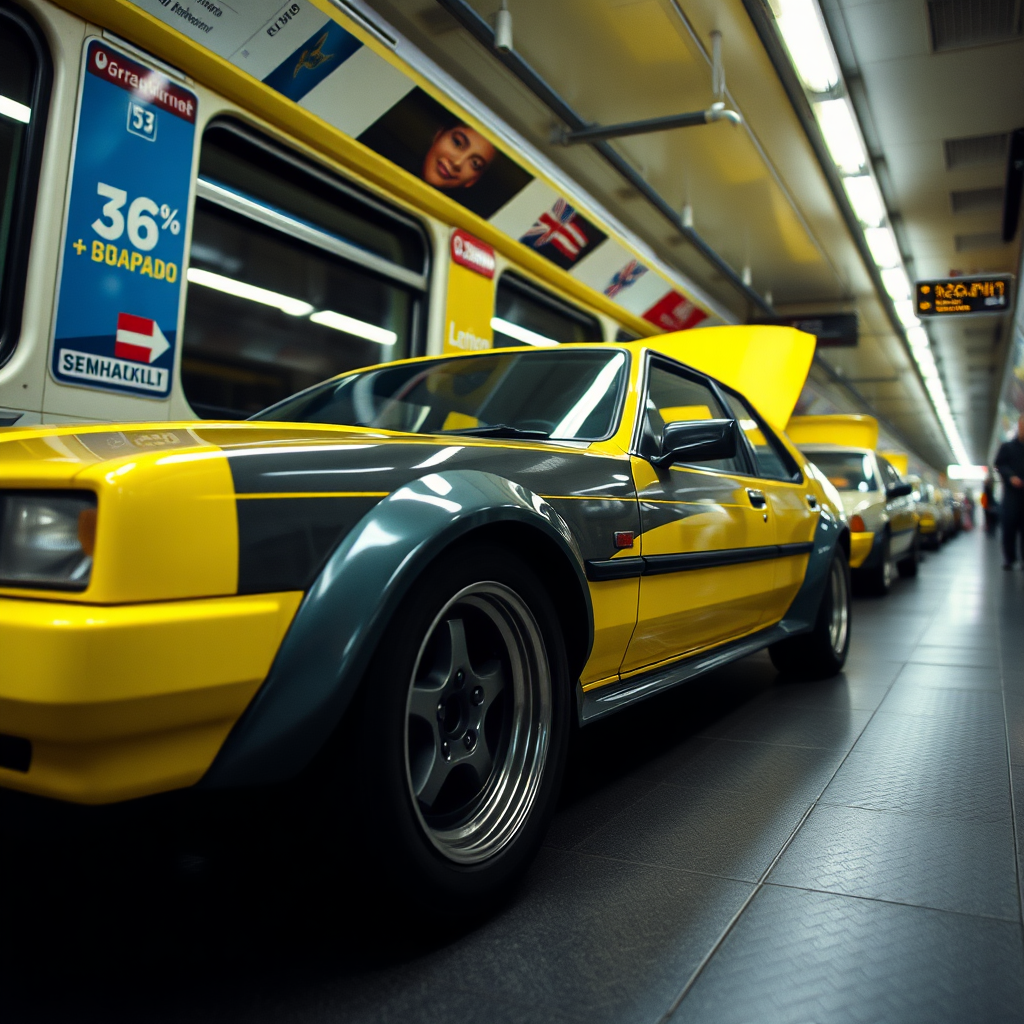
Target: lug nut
<point>446,750</point>
<point>460,677</point>
<point>477,696</point>
<point>440,711</point>
<point>469,739</point>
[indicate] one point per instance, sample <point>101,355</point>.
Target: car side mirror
<point>696,441</point>
<point>899,491</point>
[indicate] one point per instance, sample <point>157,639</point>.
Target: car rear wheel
<point>879,579</point>
<point>822,652</point>
<point>908,566</point>
<point>462,730</point>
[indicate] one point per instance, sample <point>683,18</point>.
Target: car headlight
<point>46,538</point>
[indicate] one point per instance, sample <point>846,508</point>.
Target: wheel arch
<point>338,626</point>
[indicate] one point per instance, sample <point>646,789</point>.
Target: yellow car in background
<point>931,515</point>
<point>883,520</point>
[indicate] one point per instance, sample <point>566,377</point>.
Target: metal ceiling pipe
<point>482,31</point>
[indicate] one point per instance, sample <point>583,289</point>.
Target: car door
<point>793,504</point>
<point>902,518</point>
<point>707,537</point>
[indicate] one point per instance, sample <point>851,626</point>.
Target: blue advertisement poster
<point>124,243</point>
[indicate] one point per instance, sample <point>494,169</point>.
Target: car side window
<point>674,397</point>
<point>771,460</point>
<point>890,477</point>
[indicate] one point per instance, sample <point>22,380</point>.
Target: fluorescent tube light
<point>841,134</point>
<point>527,337</point>
<point>241,290</point>
<point>966,472</point>
<point>897,284</point>
<point>865,199</point>
<point>882,243</point>
<point>917,338</point>
<point>905,313</point>
<point>801,27</point>
<point>348,324</point>
<point>14,110</point>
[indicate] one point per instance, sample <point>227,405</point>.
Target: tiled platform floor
<point>747,850</point>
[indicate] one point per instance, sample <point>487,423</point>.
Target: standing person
<point>1010,466</point>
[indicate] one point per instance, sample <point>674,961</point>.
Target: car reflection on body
<point>407,582</point>
<point>878,503</point>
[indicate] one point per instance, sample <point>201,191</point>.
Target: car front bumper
<point>106,703</point>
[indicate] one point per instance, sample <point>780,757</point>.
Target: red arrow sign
<point>139,339</point>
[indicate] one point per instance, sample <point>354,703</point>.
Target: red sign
<point>143,83</point>
<point>473,254</point>
<point>139,339</point>
<point>674,312</point>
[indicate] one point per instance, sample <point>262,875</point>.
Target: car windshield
<point>848,471</point>
<point>564,395</point>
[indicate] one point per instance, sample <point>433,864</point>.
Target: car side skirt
<point>800,617</point>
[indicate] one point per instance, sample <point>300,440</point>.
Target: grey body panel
<point>343,615</point>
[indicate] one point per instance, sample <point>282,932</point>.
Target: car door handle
<point>757,498</point>
<point>812,502</point>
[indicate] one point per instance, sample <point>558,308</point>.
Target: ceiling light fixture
<point>897,284</point>
<point>882,244</point>
<point>807,40</point>
<point>865,199</point>
<point>842,136</point>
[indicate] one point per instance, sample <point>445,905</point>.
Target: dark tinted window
<point>771,460</point>
<point>569,395</point>
<point>674,397</point>
<point>526,315</point>
<point>293,278</point>
<point>24,95</point>
<point>849,471</point>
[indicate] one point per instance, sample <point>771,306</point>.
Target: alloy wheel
<point>478,722</point>
<point>839,623</point>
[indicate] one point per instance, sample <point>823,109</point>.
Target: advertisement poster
<point>311,58</point>
<point>124,243</point>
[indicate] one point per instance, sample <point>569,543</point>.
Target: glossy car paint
<point>244,573</point>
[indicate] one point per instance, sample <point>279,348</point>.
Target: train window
<point>25,76</point>
<point>526,315</point>
<point>293,277</point>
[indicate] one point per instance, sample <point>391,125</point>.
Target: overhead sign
<point>832,330</point>
<point>124,240</point>
<point>962,295</point>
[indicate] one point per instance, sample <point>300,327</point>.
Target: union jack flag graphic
<point>559,227</point>
<point>623,278</point>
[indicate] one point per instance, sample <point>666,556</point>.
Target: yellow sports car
<point>429,569</point>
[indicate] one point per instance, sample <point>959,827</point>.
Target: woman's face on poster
<point>457,158</point>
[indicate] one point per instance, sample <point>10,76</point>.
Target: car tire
<point>459,735</point>
<point>908,566</point>
<point>879,579</point>
<point>821,653</point>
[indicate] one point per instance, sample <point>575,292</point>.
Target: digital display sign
<point>965,295</point>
